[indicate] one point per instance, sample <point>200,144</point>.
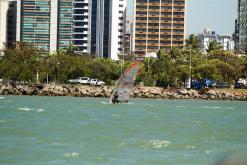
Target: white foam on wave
<point>198,121</point>
<point>40,110</point>
<point>26,109</point>
<point>31,109</point>
<point>129,103</point>
<point>71,155</point>
<point>156,144</point>
<point>208,107</point>
<point>103,102</point>
<point>2,97</point>
<point>208,152</point>
<point>205,107</point>
<point>180,106</point>
<point>190,147</point>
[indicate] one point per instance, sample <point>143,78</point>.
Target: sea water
<point>88,131</point>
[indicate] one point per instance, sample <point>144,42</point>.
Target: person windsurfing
<point>115,98</point>
<point>122,90</point>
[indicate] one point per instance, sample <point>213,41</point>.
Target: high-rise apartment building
<point>159,24</point>
<point>242,24</point>
<point>7,22</point>
<point>92,26</point>
<point>107,27</point>
<point>3,23</point>
<point>236,31</point>
<point>53,24</point>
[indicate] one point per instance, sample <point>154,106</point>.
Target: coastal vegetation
<point>172,68</point>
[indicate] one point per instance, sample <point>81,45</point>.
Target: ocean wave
<point>198,121</point>
<point>122,144</point>
<point>40,110</point>
<point>71,155</point>
<point>156,144</point>
<point>26,109</point>
<point>2,97</point>
<point>208,107</point>
<point>205,107</point>
<point>208,152</point>
<point>129,103</point>
<point>115,115</point>
<point>103,102</point>
<point>3,121</point>
<point>31,109</point>
<point>180,106</point>
<point>190,147</point>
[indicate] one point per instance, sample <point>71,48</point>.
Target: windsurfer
<point>115,98</point>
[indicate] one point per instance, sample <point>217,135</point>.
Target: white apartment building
<point>107,28</point>
<point>3,23</point>
<point>208,36</point>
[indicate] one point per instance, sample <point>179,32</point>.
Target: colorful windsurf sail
<point>123,88</point>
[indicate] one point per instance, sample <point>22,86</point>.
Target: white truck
<point>80,80</point>
<point>96,82</point>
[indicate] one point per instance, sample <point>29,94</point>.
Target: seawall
<point>105,91</point>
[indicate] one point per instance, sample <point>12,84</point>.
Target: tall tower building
<point>3,23</point>
<point>107,27</point>
<point>242,18</point>
<point>7,22</point>
<point>53,24</point>
<point>159,24</point>
<point>92,26</point>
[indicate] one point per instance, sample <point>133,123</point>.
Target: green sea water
<point>88,131</point>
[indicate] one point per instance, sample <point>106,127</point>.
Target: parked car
<point>210,83</point>
<point>80,80</point>
<point>221,85</point>
<point>200,84</point>
<point>96,82</point>
<point>240,86</point>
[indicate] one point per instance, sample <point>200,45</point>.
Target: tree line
<point>171,68</point>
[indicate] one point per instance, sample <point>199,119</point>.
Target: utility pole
<point>122,64</point>
<point>190,69</point>
<point>37,76</point>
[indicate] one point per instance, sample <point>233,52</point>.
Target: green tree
<point>213,46</point>
<point>193,41</point>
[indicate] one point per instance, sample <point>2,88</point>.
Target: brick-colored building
<point>159,24</point>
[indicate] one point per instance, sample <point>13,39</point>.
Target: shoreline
<point>137,92</point>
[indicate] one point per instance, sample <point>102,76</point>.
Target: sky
<point>218,15</point>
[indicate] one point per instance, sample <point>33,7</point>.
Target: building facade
<point>240,35</point>
<point>237,28</point>
<point>3,23</point>
<point>128,39</point>
<point>52,24</point>
<point>226,42</point>
<point>107,28</point>
<point>7,22</point>
<point>92,26</point>
<point>159,24</point>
